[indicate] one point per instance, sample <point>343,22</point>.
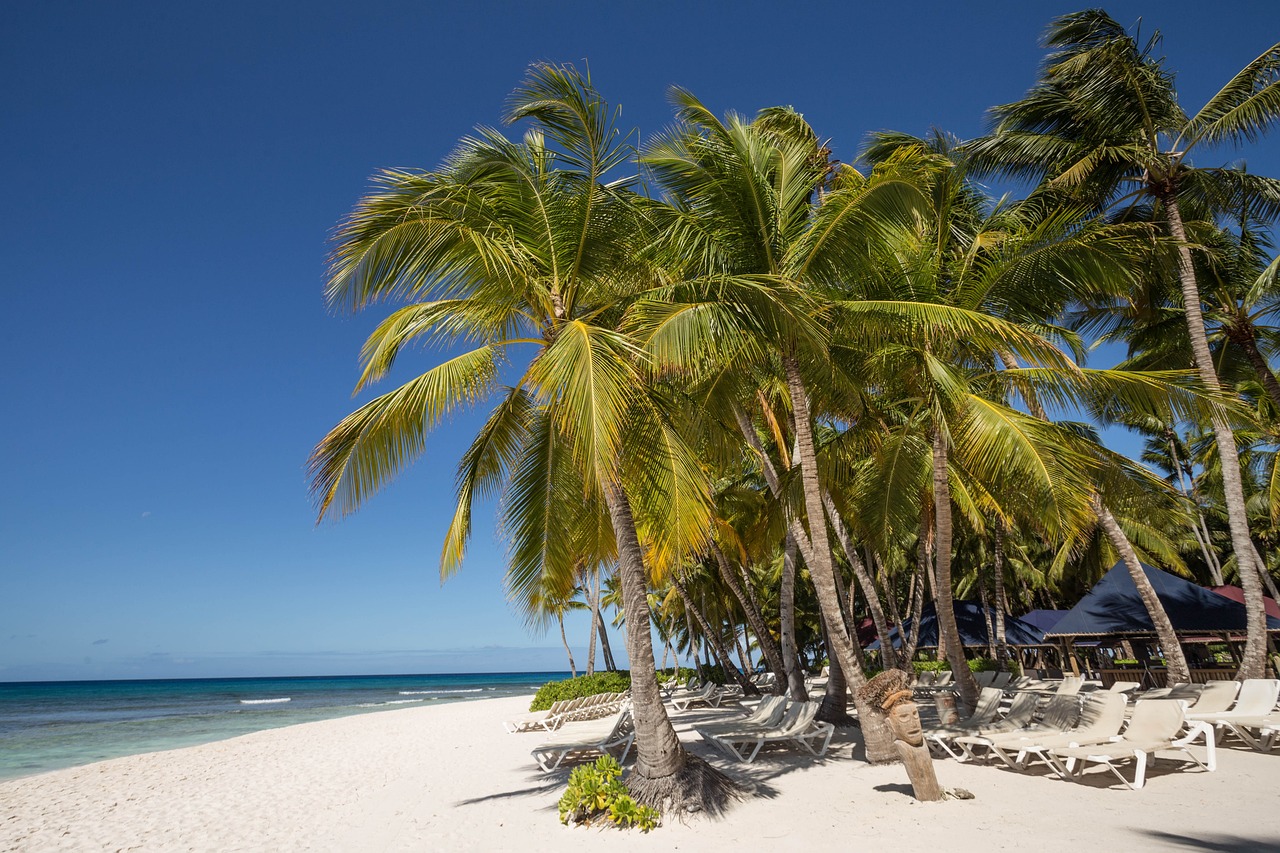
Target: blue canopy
<point>1043,619</point>
<point>973,628</point>
<point>1114,607</point>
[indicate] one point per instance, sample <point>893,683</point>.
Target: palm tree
<point>1105,124</point>
<point>522,253</point>
<point>742,229</point>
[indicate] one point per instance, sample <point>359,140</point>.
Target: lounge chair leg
<point>1140,759</point>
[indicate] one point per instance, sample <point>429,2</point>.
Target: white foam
<point>389,702</point>
<point>265,701</point>
<point>433,692</point>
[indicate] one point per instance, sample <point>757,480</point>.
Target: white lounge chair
<point>985,712</point>
<point>1060,714</point>
<point>548,720</point>
<point>587,738</point>
<point>798,726</point>
<point>1100,719</point>
<point>1254,709</point>
<point>708,695</point>
<point>1019,716</point>
<point>766,715</point>
<point>1154,727</point>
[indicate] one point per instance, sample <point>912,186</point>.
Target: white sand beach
<point>449,778</point>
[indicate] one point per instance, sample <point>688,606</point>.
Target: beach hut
<point>972,622</point>
<point>1114,610</point>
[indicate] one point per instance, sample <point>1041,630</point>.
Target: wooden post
<point>1070,657</point>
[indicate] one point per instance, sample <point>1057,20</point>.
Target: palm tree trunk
<point>1175,660</point>
<point>875,730</point>
<point>869,591</point>
<point>713,639</point>
<point>945,602</point>
<point>573,668</point>
<point>768,648</point>
<point>787,619</point>
<point>593,599</point>
<point>1002,639</point>
<point>743,644</point>
<point>924,558</point>
<point>664,775</point>
<point>1266,576</point>
<point>1201,530</point>
<point>835,697</point>
<point>693,648</point>
<point>1253,662</point>
<point>605,648</point>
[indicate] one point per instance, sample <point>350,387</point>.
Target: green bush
<point>575,688</point>
<point>989,665</point>
<point>596,790</point>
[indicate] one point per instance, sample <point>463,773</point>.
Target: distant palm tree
<point>1104,124</point>
<point>522,254</point>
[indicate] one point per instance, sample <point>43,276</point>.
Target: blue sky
<point>171,175</point>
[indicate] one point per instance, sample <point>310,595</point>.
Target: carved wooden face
<point>905,719</point>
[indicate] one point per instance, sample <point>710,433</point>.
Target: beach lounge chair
<point>577,739</point>
<point>985,712</point>
<point>1124,686</point>
<point>1019,716</point>
<point>768,714</point>
<point>1060,714</point>
<point>798,727</point>
<point>1100,719</point>
<point>708,695</point>
<point>984,679</point>
<point>547,721</point>
<point>1255,708</point>
<point>1001,680</point>
<point>1154,727</point>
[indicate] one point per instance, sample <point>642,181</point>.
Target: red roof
<point>1235,593</point>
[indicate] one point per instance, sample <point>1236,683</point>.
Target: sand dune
<point>448,778</point>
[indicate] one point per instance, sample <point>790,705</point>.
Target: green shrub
<point>575,688</point>
<point>930,666</point>
<point>596,790</point>
<point>989,665</point>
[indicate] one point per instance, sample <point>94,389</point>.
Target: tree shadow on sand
<point>1220,842</point>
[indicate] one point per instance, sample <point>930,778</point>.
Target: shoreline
<point>447,777</point>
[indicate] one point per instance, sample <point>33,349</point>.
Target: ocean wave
<point>433,692</point>
<point>265,701</point>
<point>389,702</point>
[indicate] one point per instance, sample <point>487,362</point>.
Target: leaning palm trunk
<point>594,596</point>
<point>924,556</point>
<point>869,591</point>
<point>768,648</point>
<point>573,668</point>
<point>787,619</point>
<point>713,639</point>
<point>1175,660</point>
<point>1253,662</point>
<point>835,698</point>
<point>605,648</point>
<point>664,775</point>
<point>948,631</point>
<point>1199,528</point>
<point>1002,639</point>
<point>875,730</point>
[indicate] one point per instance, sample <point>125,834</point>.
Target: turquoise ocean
<point>49,725</point>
